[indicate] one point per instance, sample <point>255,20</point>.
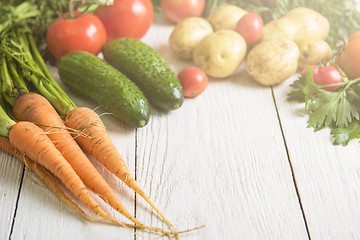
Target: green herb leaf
<point>342,136</point>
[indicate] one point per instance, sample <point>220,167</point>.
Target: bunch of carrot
<point>37,106</point>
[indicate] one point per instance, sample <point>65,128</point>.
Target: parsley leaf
<point>344,135</point>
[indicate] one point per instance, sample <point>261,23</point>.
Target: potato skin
<point>187,34</point>
<point>313,52</point>
<point>226,17</point>
<point>220,54</point>
<point>298,24</point>
<point>273,61</point>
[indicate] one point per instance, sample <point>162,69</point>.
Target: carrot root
<point>99,144</point>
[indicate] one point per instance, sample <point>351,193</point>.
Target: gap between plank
<point>17,202</point>
<point>135,195</point>
<point>290,164</point>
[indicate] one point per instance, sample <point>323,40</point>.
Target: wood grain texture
<point>11,171</point>
<point>220,161</point>
<point>328,176</point>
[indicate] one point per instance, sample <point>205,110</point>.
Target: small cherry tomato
<point>328,75</point>
<point>178,10</point>
<point>193,81</point>
<point>126,18</point>
<point>315,70</point>
<point>250,27</point>
<point>82,33</point>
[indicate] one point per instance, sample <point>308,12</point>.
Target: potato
<point>225,17</point>
<point>313,52</point>
<point>220,54</point>
<point>312,25</point>
<point>187,34</point>
<point>273,61</point>
<point>298,24</point>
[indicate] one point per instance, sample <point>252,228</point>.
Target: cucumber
<point>148,69</point>
<point>90,76</point>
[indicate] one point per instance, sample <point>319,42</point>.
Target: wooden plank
<point>328,176</point>
<point>11,171</point>
<point>219,161</point>
<point>41,215</point>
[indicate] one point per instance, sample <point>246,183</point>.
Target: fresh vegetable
<point>278,58</point>
<point>349,58</point>
<point>187,34</point>
<point>226,17</point>
<point>148,69</point>
<point>126,18</point>
<point>250,27</point>
<point>35,108</point>
<point>34,143</point>
<point>343,16</point>
<point>17,47</point>
<point>339,110</point>
<point>86,74</point>
<point>83,32</point>
<point>298,24</point>
<point>313,52</point>
<point>328,75</point>
<point>96,141</point>
<point>193,81</point>
<point>220,54</point>
<point>179,10</point>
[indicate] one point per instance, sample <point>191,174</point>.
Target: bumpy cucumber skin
<point>148,69</point>
<point>90,76</point>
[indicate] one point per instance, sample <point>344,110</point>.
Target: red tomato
<point>83,33</point>
<point>314,68</point>
<point>126,18</point>
<point>178,10</point>
<point>193,81</point>
<point>328,75</point>
<point>250,27</point>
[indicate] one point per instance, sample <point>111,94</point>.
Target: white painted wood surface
<point>238,159</point>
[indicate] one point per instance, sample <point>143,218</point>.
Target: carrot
<point>95,139</point>
<point>32,141</point>
<point>35,108</point>
<point>49,180</point>
<point>44,175</point>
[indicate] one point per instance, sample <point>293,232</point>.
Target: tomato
<point>250,26</point>
<point>315,70</point>
<point>328,75</point>
<point>126,18</point>
<point>349,58</point>
<point>82,33</point>
<point>193,81</point>
<point>178,10</point>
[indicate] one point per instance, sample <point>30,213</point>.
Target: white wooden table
<point>238,159</point>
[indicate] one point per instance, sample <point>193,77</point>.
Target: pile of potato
<point>213,44</point>
<point>288,44</point>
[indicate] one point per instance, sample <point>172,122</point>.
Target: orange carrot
<point>32,141</point>
<point>44,175</point>
<point>95,139</point>
<point>35,108</point>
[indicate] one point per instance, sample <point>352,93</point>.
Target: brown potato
<point>187,34</point>
<point>220,54</point>
<point>226,17</point>
<point>313,52</point>
<point>273,61</point>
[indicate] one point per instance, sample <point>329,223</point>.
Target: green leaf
<point>297,94</point>
<point>342,136</point>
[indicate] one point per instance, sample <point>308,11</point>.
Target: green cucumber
<point>148,69</point>
<point>90,76</point>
